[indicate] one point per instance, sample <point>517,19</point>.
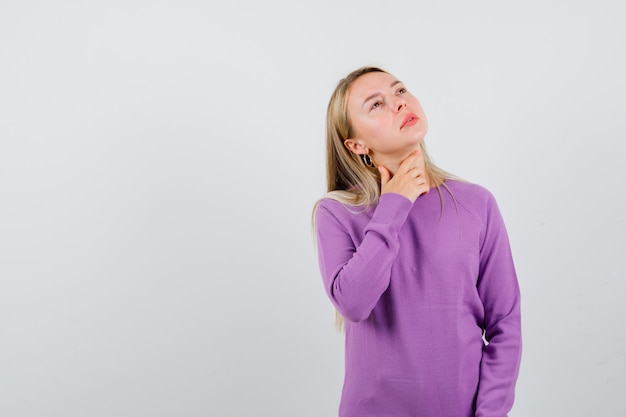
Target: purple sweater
<point>417,287</point>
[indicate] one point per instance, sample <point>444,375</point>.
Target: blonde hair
<point>348,179</point>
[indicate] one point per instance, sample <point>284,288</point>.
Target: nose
<point>399,104</point>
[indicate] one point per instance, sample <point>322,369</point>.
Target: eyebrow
<point>368,98</point>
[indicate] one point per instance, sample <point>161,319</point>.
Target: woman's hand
<point>408,181</point>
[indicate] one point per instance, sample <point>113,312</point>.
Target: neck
<point>392,163</point>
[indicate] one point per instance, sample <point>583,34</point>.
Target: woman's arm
<point>356,276</point>
<point>499,291</point>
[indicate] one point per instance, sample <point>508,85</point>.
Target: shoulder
<point>475,199</point>
<point>329,204</point>
<point>329,207</point>
<point>470,193</point>
<point>333,206</point>
<point>332,216</point>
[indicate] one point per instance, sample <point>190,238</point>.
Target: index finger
<point>410,159</point>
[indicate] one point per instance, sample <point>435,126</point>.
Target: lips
<point>409,120</point>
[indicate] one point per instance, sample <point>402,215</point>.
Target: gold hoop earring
<point>367,160</point>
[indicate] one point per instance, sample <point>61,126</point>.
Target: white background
<point>159,161</point>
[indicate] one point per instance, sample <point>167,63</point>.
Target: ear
<point>356,146</point>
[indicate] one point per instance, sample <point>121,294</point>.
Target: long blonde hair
<point>348,179</point>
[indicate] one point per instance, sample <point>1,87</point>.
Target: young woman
<point>416,263</point>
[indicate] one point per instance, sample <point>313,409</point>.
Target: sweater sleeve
<point>356,275</point>
<point>499,292</point>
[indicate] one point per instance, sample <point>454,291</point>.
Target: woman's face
<point>387,121</point>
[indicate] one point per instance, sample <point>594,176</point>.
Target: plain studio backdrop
<point>159,161</point>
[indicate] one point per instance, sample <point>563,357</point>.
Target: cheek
<point>367,127</point>
<point>417,105</point>
<point>375,131</point>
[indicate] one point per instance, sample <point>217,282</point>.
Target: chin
<point>417,140</point>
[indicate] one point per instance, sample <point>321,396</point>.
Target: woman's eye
<point>402,90</point>
<point>376,105</point>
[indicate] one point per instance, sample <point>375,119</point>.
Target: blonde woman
<point>416,263</point>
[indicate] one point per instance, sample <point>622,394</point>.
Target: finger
<point>384,175</point>
<point>414,172</point>
<point>409,159</point>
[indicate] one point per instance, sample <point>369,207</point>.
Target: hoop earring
<point>367,160</point>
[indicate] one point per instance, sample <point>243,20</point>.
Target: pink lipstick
<point>409,120</point>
